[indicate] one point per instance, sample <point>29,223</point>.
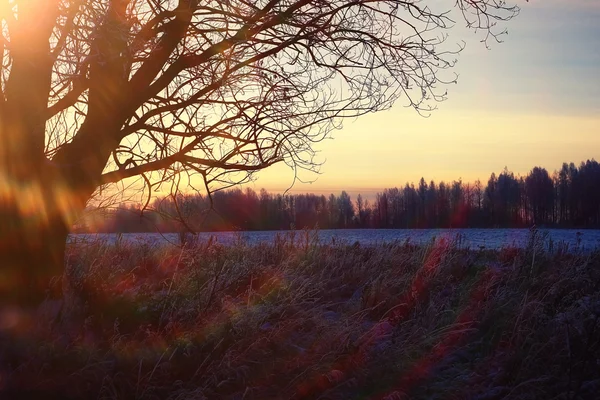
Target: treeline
<point>567,198</point>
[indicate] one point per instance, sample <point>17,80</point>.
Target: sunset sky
<point>532,100</point>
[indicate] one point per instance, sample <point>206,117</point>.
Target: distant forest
<point>568,198</point>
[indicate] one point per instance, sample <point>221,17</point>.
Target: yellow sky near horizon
<point>379,151</point>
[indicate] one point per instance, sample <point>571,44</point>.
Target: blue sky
<point>549,62</point>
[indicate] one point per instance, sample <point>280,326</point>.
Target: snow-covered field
<point>470,238</point>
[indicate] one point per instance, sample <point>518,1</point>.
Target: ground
<point>300,320</point>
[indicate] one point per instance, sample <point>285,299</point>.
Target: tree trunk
<point>31,258</point>
<point>39,198</point>
<point>36,216</point>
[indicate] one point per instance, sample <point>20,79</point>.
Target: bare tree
<point>97,91</point>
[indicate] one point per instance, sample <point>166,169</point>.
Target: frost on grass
<point>296,320</point>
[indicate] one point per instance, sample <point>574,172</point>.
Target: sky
<point>533,100</point>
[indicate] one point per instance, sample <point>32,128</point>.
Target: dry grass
<point>298,320</point>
